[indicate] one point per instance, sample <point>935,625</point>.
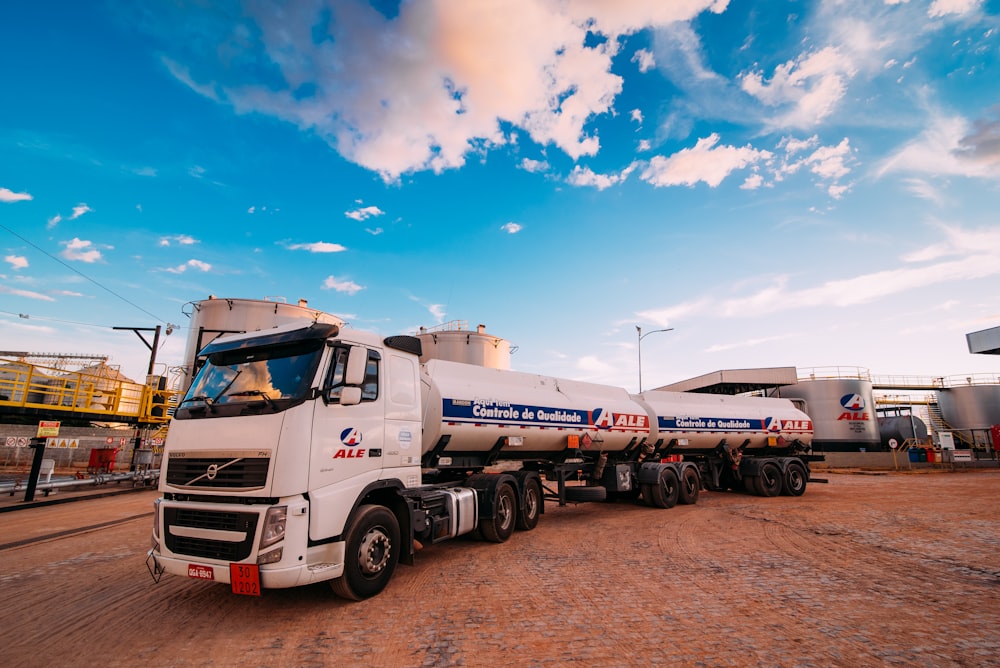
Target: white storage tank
<point>211,318</point>
<point>454,342</point>
<point>842,411</point>
<point>966,407</point>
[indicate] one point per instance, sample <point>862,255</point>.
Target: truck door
<point>348,432</point>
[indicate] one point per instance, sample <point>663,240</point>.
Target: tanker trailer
<point>310,452</point>
<point>754,443</point>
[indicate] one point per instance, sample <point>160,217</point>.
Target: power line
<point>77,271</point>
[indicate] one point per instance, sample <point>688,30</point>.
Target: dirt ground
<point>868,570</point>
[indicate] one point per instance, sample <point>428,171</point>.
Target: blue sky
<point>807,183</point>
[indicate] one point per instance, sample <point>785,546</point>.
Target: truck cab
<point>280,437</point>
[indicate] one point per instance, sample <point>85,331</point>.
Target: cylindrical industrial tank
<point>900,428</point>
<point>453,343</point>
<point>970,406</point>
<point>213,317</point>
<point>842,412</point>
<point>700,422</point>
<point>476,406</point>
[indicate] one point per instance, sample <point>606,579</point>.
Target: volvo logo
<point>213,470</point>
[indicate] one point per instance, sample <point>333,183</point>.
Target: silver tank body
<point>900,428</point>
<point>970,407</point>
<point>700,422</point>
<point>475,407</point>
<point>211,316</point>
<point>842,411</point>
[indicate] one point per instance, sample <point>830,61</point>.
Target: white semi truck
<point>313,452</point>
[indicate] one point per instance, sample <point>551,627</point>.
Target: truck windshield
<point>258,380</point>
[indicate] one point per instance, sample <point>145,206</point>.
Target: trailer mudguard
<point>649,473</point>
<point>486,485</point>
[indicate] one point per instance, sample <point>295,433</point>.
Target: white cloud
<point>584,176</point>
<point>534,166</point>
<point>342,285</point>
<point>704,162</point>
<point>81,250</point>
<point>950,145</point>
<point>364,213</point>
<point>182,239</point>
<point>511,228</point>
<point>645,60</point>
<point>752,182</point>
<point>438,312</point>
<point>79,210</point>
<point>318,247</point>
<point>644,145</point>
<point>53,221</point>
<point>190,264</point>
<point>25,293</point>
<point>374,232</point>
<point>16,261</point>
<point>7,195</point>
<point>941,8</point>
<point>963,255</point>
<point>431,92</point>
<point>808,89</point>
<point>636,115</point>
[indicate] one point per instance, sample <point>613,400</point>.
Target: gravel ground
<point>868,570</point>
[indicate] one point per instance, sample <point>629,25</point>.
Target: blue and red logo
<point>853,402</point>
<point>350,437</point>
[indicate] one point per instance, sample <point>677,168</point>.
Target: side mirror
<point>357,365</point>
<point>350,396</point>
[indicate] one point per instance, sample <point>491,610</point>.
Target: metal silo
<point>454,342</point>
<point>842,408</point>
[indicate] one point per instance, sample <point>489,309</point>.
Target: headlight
<point>274,526</point>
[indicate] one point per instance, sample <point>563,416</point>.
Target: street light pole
<point>641,336</point>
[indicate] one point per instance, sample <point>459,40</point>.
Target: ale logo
<point>770,424</point>
<point>854,408</point>
<point>853,402</point>
<point>350,437</point>
<point>603,419</point>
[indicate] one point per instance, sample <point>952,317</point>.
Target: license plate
<point>200,572</point>
<point>245,579</point>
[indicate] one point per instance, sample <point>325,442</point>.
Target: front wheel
<point>370,555</point>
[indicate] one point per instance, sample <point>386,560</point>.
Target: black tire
<point>647,495</point>
<point>794,480</point>
<point>750,485</point>
<point>769,481</point>
<point>498,528</point>
<point>580,494</point>
<point>690,486</point>
<point>370,555</point>
<point>530,508</point>
<point>667,489</point>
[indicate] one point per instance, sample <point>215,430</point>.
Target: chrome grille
<point>217,472</point>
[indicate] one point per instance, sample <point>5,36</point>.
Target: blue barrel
<point>914,455</point>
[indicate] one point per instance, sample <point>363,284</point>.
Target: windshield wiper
<point>201,397</point>
<point>255,393</point>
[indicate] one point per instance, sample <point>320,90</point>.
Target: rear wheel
<point>794,480</point>
<point>666,490</point>
<point>690,485</point>
<point>371,553</point>
<point>769,480</point>
<point>498,528</point>
<point>531,505</point>
<point>750,485</point>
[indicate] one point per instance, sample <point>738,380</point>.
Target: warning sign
<point>63,443</point>
<point>11,441</point>
<point>48,429</point>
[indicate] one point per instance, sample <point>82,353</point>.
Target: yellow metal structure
<point>95,393</point>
